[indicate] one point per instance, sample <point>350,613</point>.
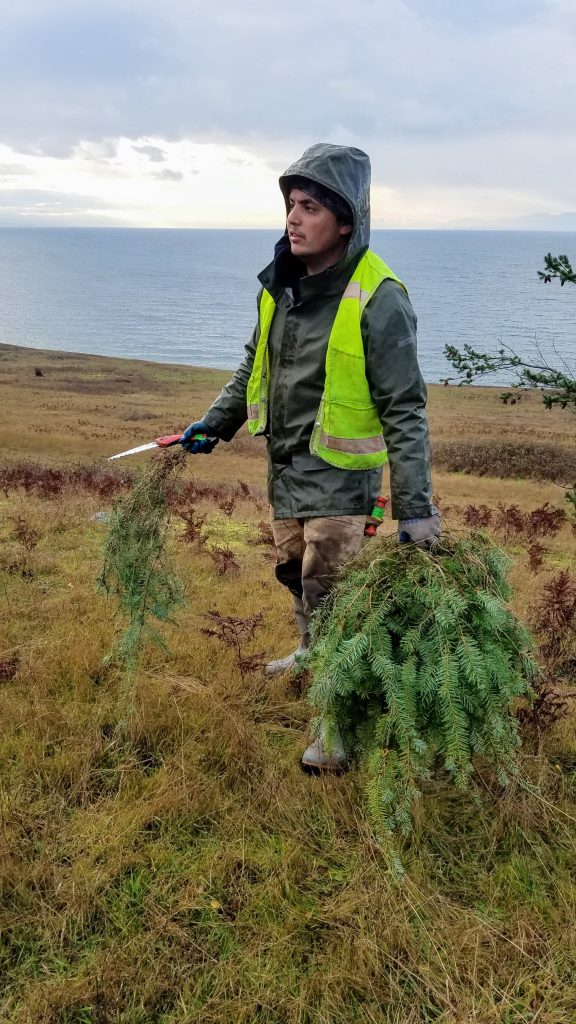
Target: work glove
<point>196,447</point>
<point>423,532</point>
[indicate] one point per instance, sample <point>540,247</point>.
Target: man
<point>331,378</point>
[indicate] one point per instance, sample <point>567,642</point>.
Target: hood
<point>345,170</point>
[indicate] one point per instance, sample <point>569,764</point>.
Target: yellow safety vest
<point>347,431</point>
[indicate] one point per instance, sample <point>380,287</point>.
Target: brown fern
<point>554,620</point>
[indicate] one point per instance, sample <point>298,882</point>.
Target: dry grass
<point>188,871</point>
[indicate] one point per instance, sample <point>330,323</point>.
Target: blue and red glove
<point>195,445</point>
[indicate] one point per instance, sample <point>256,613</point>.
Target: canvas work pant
<point>309,553</point>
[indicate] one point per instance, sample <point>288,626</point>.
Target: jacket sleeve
<point>399,393</point>
<point>228,412</point>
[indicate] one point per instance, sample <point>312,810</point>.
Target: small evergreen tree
<point>417,661</point>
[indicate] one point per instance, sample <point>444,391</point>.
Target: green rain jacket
<point>300,484</point>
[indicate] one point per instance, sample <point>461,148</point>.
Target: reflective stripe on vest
<point>347,431</point>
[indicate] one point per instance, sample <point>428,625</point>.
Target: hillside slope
<point>184,869</point>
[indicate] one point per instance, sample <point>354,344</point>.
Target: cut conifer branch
<point>418,662</point>
<point>136,569</point>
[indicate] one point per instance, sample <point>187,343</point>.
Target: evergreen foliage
<point>417,661</point>
<point>558,268</point>
<point>558,384</point>
<point>136,569</point>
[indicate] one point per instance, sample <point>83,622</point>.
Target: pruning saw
<point>160,442</point>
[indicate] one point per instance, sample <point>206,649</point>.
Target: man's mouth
<point>294,237</point>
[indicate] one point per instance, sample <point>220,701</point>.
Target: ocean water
<point>190,296</point>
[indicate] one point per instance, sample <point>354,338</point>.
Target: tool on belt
<point>375,518</point>
<point>160,442</point>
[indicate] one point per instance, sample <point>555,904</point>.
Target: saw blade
<point>133,451</point>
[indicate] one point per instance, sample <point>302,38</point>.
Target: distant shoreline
<point>56,356</point>
<point>59,354</point>
<point>62,353</point>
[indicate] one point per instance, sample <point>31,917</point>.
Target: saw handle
<point>165,442</point>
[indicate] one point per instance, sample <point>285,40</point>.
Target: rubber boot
<point>279,665</point>
<point>322,756</point>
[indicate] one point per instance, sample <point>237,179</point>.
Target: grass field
<point>185,869</point>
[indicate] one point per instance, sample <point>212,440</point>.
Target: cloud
<point>444,97</point>
<point>152,153</point>
<point>36,207</point>
<point>13,171</point>
<point>208,186</point>
<point>169,175</point>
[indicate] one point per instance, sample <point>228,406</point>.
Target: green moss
<point>223,532</point>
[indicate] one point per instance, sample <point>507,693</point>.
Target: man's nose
<point>293,216</point>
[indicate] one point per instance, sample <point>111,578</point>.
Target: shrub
<point>477,515</point>
<point>24,533</point>
<point>8,667</point>
<point>224,560</point>
<point>50,483</point>
<point>235,632</point>
<point>506,459</point>
<point>547,707</point>
<point>553,619</point>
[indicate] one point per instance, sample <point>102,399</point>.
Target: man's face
<point>316,236</point>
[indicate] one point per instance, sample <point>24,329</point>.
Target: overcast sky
<point>183,113</point>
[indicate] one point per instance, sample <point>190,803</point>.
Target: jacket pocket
<point>305,462</point>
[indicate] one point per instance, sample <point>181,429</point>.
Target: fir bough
<point>417,661</point>
<point>136,568</point>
